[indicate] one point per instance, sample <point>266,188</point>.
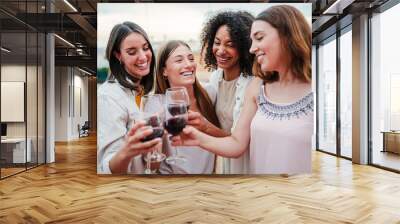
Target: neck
<point>192,97</point>
<point>286,76</point>
<point>232,73</point>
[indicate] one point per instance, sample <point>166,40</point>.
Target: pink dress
<point>281,136</point>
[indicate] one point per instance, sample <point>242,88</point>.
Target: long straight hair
<point>295,34</point>
<point>118,34</point>
<point>162,84</point>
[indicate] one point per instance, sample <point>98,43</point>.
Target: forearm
<point>230,146</point>
<point>119,163</point>
<point>215,131</point>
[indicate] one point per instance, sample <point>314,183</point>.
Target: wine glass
<point>152,112</point>
<point>177,103</point>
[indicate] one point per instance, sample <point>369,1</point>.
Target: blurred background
<point>163,22</point>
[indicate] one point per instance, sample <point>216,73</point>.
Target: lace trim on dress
<point>275,111</point>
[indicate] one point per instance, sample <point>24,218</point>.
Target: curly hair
<point>239,25</point>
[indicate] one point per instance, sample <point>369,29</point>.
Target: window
<point>385,89</point>
<point>346,93</point>
<point>327,96</point>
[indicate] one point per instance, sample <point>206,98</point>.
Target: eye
<point>217,43</point>
<point>131,53</point>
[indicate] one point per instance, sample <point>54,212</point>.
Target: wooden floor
<point>387,159</point>
<point>69,191</point>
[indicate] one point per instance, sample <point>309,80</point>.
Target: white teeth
<point>223,59</point>
<point>187,73</point>
<point>142,65</point>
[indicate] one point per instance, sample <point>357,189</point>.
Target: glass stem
<point>148,163</point>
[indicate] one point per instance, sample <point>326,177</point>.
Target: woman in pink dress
<point>276,123</point>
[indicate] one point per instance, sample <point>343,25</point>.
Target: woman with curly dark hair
<point>225,49</point>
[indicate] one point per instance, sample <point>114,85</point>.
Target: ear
<point>117,55</point>
<point>165,75</point>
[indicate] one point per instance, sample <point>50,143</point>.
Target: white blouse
<point>116,111</point>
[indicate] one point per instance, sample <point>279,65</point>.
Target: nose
<point>142,56</point>
<point>253,48</point>
<point>221,50</point>
<point>189,63</point>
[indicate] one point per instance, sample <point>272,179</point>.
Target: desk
<point>13,150</point>
<point>391,141</point>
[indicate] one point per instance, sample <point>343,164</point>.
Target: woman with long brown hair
<point>132,62</point>
<point>176,67</point>
<point>277,118</point>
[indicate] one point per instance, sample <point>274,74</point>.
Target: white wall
<point>12,73</point>
<point>70,83</point>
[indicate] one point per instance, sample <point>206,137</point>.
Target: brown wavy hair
<point>295,34</point>
<point>162,84</point>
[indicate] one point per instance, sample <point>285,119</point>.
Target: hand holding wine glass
<point>198,121</point>
<point>189,136</point>
<point>152,113</point>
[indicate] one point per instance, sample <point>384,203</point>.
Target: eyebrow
<point>258,32</point>
<point>134,48</point>
<point>229,41</point>
<point>178,56</point>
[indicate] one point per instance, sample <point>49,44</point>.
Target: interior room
<point>49,79</point>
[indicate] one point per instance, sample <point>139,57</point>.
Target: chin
<point>224,66</point>
<point>142,73</point>
<point>265,68</point>
<point>188,82</point>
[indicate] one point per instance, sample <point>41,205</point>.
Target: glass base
<point>155,159</point>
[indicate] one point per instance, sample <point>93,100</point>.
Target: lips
<point>223,60</point>
<point>260,57</point>
<point>142,66</point>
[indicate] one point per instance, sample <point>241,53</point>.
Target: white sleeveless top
<point>281,136</point>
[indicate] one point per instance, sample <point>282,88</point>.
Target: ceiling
<point>76,20</point>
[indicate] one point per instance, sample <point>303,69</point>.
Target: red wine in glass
<point>177,108</point>
<point>175,125</point>
<point>157,133</point>
<point>156,123</point>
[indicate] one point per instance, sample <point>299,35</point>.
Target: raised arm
<point>234,145</point>
<point>202,124</point>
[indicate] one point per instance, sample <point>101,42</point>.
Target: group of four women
<point>255,114</point>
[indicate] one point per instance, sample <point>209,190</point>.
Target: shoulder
<point>253,88</point>
<point>216,76</point>
<point>254,85</point>
<point>112,89</point>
